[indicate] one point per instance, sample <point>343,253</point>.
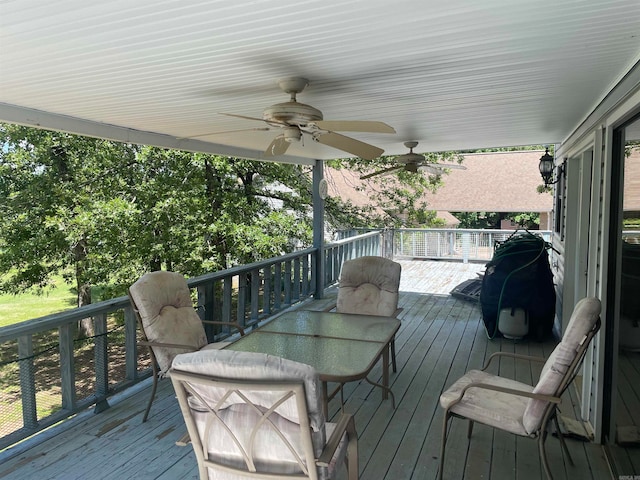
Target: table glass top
<point>335,359</point>
<point>338,325</point>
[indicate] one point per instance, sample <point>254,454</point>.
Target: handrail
<point>247,294</point>
<point>464,244</point>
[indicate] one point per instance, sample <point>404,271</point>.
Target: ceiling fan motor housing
<point>292,113</point>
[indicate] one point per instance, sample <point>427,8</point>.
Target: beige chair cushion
<point>584,317</point>
<point>369,286</point>
<point>269,451</point>
<point>166,310</point>
<point>270,456</point>
<point>497,409</point>
<point>231,364</point>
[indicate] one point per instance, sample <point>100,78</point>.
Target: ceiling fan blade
<point>430,169</point>
<point>351,145</point>
<point>381,172</point>
<point>274,123</point>
<point>439,168</point>
<point>257,129</point>
<point>454,166</point>
<point>354,126</point>
<point>242,116</point>
<point>277,147</point>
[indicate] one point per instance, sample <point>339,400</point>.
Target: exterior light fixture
<point>546,167</point>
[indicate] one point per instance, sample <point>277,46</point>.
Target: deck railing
<point>47,373</point>
<point>451,244</point>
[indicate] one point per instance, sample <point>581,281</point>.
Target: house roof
<point>452,75</point>
<point>492,182</point>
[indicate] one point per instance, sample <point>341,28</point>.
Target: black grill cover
<point>519,276</point>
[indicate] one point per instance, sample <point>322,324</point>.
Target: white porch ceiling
<point>452,75</point>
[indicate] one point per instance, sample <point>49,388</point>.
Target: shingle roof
<point>492,182</point>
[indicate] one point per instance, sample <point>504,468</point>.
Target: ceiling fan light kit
<point>296,118</point>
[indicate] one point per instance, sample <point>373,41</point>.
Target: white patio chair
<point>517,407</point>
<point>253,415</point>
<point>170,325</point>
<point>369,286</point>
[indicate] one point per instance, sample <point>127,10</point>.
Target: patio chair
<point>170,325</point>
<point>517,407</point>
<point>369,286</point>
<point>253,415</point>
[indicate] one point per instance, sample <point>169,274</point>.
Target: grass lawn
<point>25,306</point>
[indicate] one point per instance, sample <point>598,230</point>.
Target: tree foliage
<point>103,213</point>
<point>492,220</point>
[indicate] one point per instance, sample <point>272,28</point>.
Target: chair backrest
<point>369,286</point>
<point>562,365</point>
<point>250,413</point>
<point>162,302</point>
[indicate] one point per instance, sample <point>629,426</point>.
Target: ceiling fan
<point>295,118</point>
<point>412,162</point>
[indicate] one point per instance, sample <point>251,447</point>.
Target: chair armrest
<point>510,391</point>
<point>165,345</point>
<point>345,424</point>
<point>517,356</point>
<point>231,324</point>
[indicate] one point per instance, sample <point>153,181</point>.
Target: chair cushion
<point>369,286</point>
<point>166,310</point>
<point>228,364</point>
<point>584,317</point>
<point>496,409</point>
<point>270,452</point>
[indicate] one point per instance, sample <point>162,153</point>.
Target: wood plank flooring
<point>440,338</point>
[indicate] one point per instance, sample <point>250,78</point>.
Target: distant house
<point>492,182</point>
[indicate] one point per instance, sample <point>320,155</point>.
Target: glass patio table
<point>341,347</point>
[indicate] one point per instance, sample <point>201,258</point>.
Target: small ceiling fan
<point>412,162</point>
<point>295,118</point>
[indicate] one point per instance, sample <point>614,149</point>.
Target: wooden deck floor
<point>440,338</point>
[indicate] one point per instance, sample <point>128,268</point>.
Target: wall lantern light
<point>546,167</point>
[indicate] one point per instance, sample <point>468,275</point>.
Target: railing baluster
<point>255,295</point>
<point>27,382</point>
<point>287,283</point>
<point>267,291</point>
<point>296,280</point>
<point>227,299</point>
<point>101,361</point>
<point>130,344</point>
<point>242,300</point>
<point>277,286</point>
<point>305,276</point>
<point>67,367</point>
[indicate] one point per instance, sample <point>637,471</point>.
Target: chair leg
<point>444,443</point>
<point>393,355</point>
<point>543,453</point>
<point>470,429</point>
<point>353,467</point>
<point>561,438</point>
<point>153,394</point>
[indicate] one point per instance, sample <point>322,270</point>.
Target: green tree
<point>529,220</point>
<point>102,212</point>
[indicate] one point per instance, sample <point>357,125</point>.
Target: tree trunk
<point>85,326</point>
